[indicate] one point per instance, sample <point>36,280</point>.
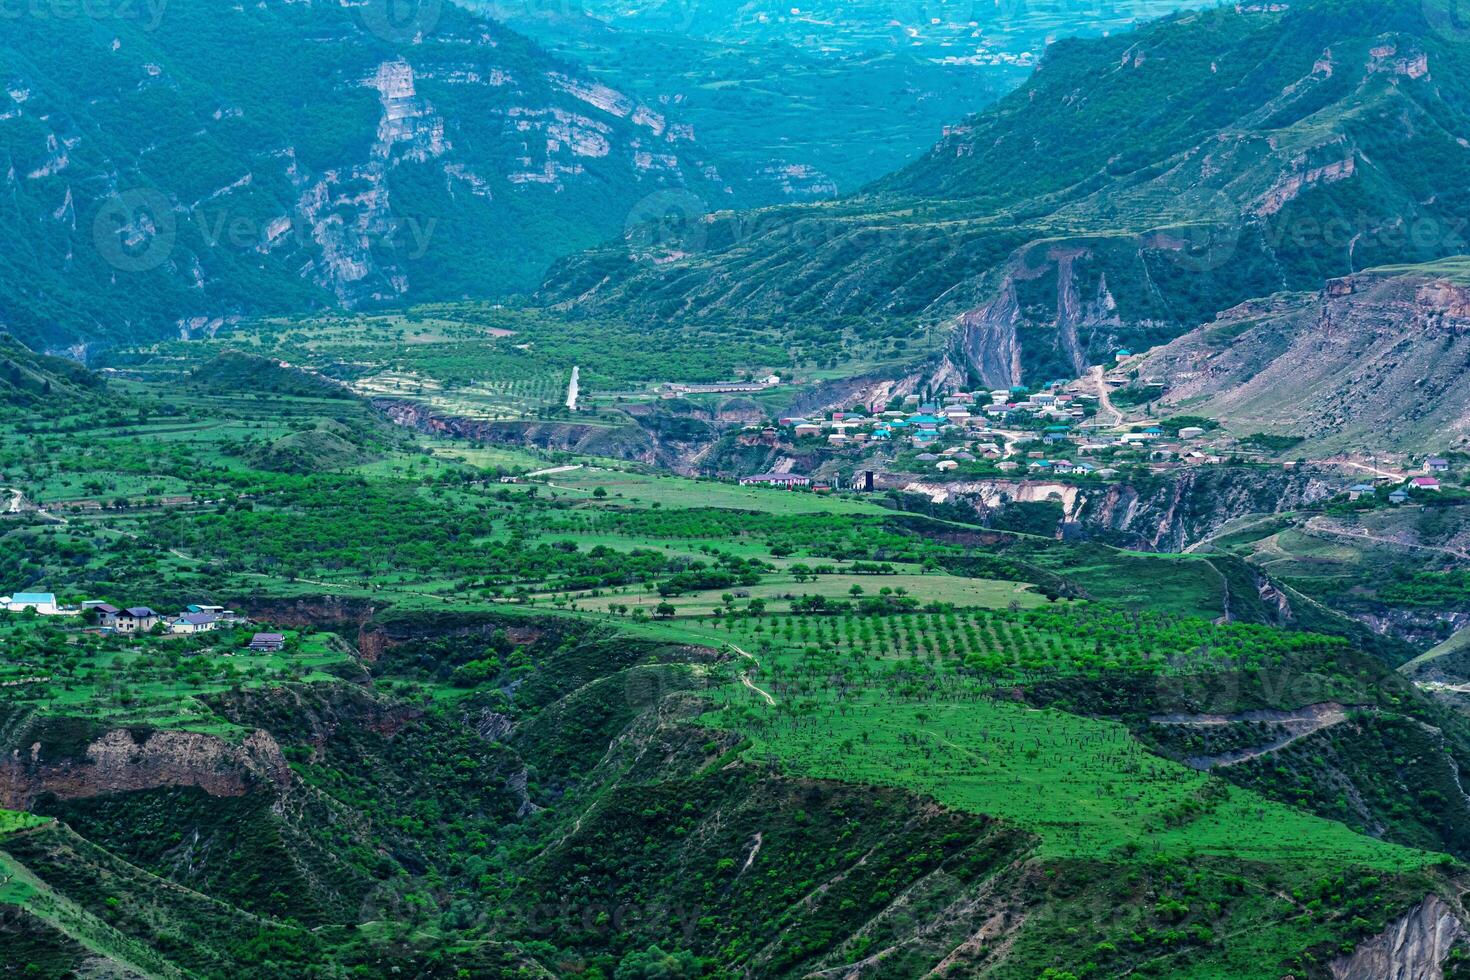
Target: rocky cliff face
<point>1167,513</point>
<point>122,761</point>
<point>1413,948</point>
<point>1179,509</point>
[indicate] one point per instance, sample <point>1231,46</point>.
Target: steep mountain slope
<point>1374,360</point>
<point>166,170</point>
<point>1133,187</point>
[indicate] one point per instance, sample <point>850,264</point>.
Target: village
<point>106,619</point>
<point>1061,429</point>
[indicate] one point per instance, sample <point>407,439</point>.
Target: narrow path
<point>1227,529</point>
<point>555,469</point>
<point>572,387</point>
<point>745,676</point>
<point>1350,464</point>
<point>1298,724</point>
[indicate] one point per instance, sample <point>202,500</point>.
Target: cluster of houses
<point>196,618</point>
<point>922,423</point>
<point>1051,431</point>
<point>1401,493</point>
<point>1034,463</point>
<point>1045,432</point>
<point>107,618</point>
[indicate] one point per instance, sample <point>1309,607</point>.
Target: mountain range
<point>350,160</point>
<point>166,174</point>
<point>1134,186</point>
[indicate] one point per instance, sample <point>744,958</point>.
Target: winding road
<point>1297,725</point>
<point>16,503</point>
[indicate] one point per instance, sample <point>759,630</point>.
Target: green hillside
<point>35,383</point>
<point>731,612</point>
<point>772,732</point>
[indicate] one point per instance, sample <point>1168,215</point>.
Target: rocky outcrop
<point>1167,512</point>
<point>1173,511</point>
<point>618,442</point>
<point>1413,948</point>
<point>873,390</point>
<point>986,339</point>
<point>123,760</point>
<point>1370,360</point>
<point>988,496</point>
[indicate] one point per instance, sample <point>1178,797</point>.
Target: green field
<point>652,489</point>
<point>781,591</point>
<point>1085,786</point>
<point>793,642</point>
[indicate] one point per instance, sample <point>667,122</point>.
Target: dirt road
<point>745,677</point>
<point>1104,399</point>
<point>1316,525</point>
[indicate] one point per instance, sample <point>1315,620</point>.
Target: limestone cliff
<point>1413,948</point>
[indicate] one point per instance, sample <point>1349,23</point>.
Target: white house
<point>43,603</point>
<point>194,623</point>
